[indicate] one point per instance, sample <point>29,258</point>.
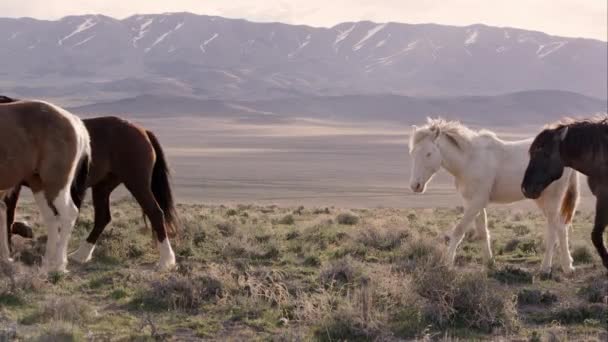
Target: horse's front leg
<point>481,227</point>
<point>471,211</point>
<point>5,254</point>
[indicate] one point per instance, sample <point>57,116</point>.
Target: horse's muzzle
<point>417,187</point>
<point>530,193</point>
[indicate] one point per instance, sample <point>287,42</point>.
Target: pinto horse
<point>583,146</point>
<point>489,170</point>
<point>48,148</point>
<point>124,153</point>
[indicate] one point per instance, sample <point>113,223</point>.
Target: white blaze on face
<point>426,161</point>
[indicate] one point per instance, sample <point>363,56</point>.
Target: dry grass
<point>300,274</point>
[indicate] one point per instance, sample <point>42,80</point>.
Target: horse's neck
<point>453,158</point>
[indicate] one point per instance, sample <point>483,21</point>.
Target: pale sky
<point>571,18</point>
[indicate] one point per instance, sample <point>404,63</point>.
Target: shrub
<point>349,219</point>
<point>479,305</point>
<point>582,255</point>
<point>60,331</point>
<point>181,293</point>
<point>63,309</point>
<point>512,275</point>
<point>340,272</point>
<point>535,297</point>
<point>596,290</point>
<point>468,300</point>
<point>420,253</point>
<point>287,220</point>
<point>572,315</point>
<point>226,228</point>
<point>347,325</point>
<point>382,239</point>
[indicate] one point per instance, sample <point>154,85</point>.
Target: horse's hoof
<point>569,270</point>
<point>83,254</point>
<point>22,229</point>
<point>490,264</point>
<point>167,257</point>
<point>165,266</point>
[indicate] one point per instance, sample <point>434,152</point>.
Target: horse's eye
<point>428,155</point>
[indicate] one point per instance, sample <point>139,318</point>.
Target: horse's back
<point>511,162</point>
<point>118,147</point>
<point>30,133</point>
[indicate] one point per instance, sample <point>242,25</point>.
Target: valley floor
<point>250,272</point>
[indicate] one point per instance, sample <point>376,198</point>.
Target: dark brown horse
<point>583,146</point>
<point>48,148</point>
<point>124,153</point>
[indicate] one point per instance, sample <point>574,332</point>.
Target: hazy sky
<point>574,18</point>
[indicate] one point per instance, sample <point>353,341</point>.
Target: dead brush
<point>381,238</point>
<point>183,292</point>
<point>420,253</point>
<point>353,316</point>
<point>15,278</point>
<point>340,273</point>
<point>469,300</point>
<point>267,285</point>
<point>65,309</point>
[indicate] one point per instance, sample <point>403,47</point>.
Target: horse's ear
<point>563,133</point>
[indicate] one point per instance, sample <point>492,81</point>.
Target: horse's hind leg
<point>601,220</point>
<point>52,224</point>
<point>564,247</point>
<point>557,230</point>
<point>144,196</point>
<point>67,214</point>
<point>103,216</point>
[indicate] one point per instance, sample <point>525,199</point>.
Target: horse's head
<point>546,165</point>
<point>426,157</point>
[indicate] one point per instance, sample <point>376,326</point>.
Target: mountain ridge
<point>529,107</point>
<point>84,59</point>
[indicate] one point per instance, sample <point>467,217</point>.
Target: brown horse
<point>583,146</point>
<point>49,149</point>
<point>124,153</point>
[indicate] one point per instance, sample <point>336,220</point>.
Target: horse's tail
<point>78,187</point>
<point>570,201</point>
<point>161,187</point>
<point>79,184</point>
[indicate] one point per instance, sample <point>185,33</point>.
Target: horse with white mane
<point>487,170</point>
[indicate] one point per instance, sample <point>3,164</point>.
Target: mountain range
<point>82,60</point>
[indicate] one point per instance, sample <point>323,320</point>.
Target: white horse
<point>490,170</point>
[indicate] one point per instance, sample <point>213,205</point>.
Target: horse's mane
<point>594,121</point>
<point>6,99</point>
<point>457,133</point>
<point>590,133</point>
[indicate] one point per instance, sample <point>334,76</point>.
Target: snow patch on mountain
<point>343,35</point>
<point>164,35</point>
<point>143,29</point>
<point>471,38</point>
<point>87,24</point>
<point>84,41</point>
<point>369,35</point>
<point>547,49</point>
<point>302,46</point>
<point>391,59</point>
<point>207,42</point>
